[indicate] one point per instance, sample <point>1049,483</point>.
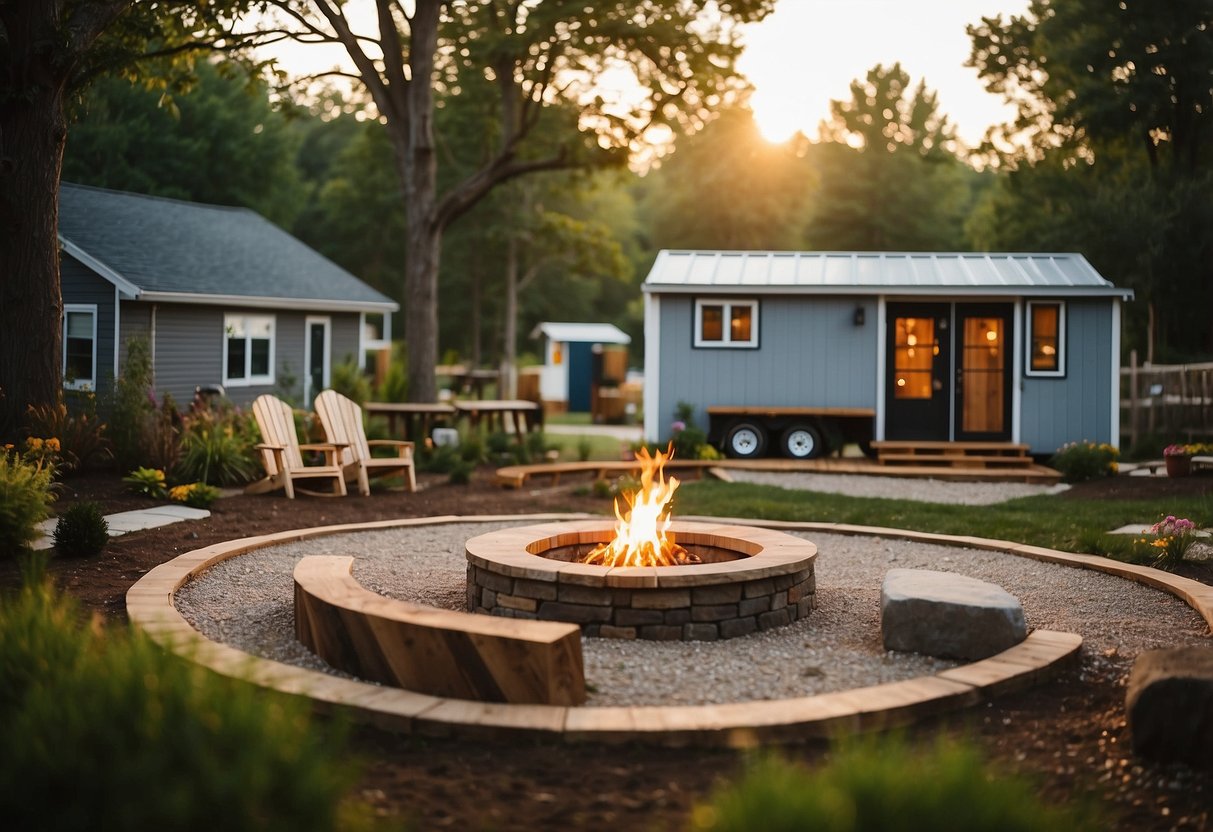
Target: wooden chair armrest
<point>323,446</point>
<point>265,446</point>
<point>404,449</point>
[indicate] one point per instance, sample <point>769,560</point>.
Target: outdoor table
<point>524,416</point>
<point>410,413</point>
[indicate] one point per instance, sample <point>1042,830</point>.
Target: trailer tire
<point>802,441</point>
<point>745,440</point>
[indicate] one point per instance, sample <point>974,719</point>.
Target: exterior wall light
<point>858,319</point>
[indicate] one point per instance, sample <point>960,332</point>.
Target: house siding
<point>80,284</point>
<point>1055,411</point>
<point>810,354</point>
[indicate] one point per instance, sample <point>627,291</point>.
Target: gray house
<point>795,351</point>
<point>223,297</point>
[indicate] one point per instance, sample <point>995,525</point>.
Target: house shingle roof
<point>174,248</point>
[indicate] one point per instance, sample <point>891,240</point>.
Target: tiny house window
<point>726,323</point>
<point>376,336</point>
<point>80,346</point>
<point>1046,338</point>
<point>248,350</point>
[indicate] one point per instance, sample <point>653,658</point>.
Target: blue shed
<point>805,349</point>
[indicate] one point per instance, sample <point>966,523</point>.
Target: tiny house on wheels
<point>221,295</point>
<point>795,353</point>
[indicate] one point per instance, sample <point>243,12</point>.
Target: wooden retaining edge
<point>150,607</point>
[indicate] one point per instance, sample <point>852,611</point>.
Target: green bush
<point>882,785</point>
<point>105,730</point>
<point>461,472</point>
<point>82,531</point>
<point>196,494</point>
<point>1082,461</point>
<point>584,448</point>
<point>348,380</point>
<point>132,407</point>
<point>25,501</point>
<point>215,455</point>
<point>146,482</point>
<point>472,450</point>
<point>395,384</point>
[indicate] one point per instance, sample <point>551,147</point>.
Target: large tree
<point>679,53</point>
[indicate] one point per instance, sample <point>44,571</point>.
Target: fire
<point>641,538</point>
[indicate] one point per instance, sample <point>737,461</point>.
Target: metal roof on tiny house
<point>581,333</point>
<point>877,273</point>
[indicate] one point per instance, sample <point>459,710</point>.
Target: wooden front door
<point>918,361</point>
<point>983,372</point>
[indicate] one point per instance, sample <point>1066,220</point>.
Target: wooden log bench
<point>430,650</point>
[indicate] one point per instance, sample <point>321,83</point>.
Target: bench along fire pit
<point>644,576</point>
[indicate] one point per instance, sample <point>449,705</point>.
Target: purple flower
<point>678,426</point>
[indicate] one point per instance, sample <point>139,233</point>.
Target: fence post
<point>1133,405</point>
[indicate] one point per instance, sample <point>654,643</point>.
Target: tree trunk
<point>509,354</point>
<point>32,136</point>
<point>476,357</point>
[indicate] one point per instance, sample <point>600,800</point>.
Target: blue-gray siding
<point>1079,406</point>
<point>810,354</point>
<point>79,284</point>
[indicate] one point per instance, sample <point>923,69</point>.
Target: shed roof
<point>168,250</point>
<point>581,332</point>
<point>851,272</point>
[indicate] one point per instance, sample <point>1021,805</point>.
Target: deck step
<point>956,459</point>
<point>1000,455</point>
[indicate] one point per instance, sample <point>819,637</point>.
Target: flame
<point>641,536</point>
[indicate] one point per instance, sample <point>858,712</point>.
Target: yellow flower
<point>52,444</point>
<point>34,443</point>
<point>180,493</point>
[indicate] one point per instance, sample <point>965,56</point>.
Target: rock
<point>948,615</point>
<point>1170,705</point>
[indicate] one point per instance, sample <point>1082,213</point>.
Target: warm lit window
<point>248,350</point>
<point>376,335</point>
<point>80,346</point>
<point>1046,338</point>
<point>914,356</point>
<point>726,323</point>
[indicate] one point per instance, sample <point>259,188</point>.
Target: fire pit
<point>645,576</point>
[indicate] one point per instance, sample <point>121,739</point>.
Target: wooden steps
<point>966,455</point>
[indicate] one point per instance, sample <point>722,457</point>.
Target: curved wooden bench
<point>434,651</point>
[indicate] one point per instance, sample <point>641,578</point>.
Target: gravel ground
<point>247,602</point>
<point>898,488</point>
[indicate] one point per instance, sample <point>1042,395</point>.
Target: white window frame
<point>726,341</point>
<point>79,383</point>
<point>326,370</point>
<point>249,379</point>
<point>1060,372</point>
<point>365,344</point>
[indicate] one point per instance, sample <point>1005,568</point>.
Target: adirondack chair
<point>281,453</point>
<point>341,419</point>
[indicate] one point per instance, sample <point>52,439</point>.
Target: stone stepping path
<point>125,522</point>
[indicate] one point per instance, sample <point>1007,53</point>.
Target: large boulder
<point>947,615</point>
<point>1170,705</point>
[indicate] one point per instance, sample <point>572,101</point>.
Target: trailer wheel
<point>802,441</point>
<point>746,440</point>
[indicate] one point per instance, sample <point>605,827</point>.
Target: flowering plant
<point>678,426</point>
<point>1173,536</point>
<point>1082,461</point>
<point>197,494</point>
<point>1176,450</point>
<point>146,481</point>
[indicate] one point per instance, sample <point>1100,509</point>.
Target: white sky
<point>809,51</point>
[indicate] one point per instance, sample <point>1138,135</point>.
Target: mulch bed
<point>1069,736</point>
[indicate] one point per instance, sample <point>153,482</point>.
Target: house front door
<point>948,371</point>
<point>316,346</point>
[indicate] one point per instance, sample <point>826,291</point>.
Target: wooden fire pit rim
<point>515,553</point>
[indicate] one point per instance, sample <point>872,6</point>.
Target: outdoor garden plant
<point>1082,461</point>
<point>81,531</point>
<point>25,500</point>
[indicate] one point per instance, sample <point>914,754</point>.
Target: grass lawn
<point>600,447</point>
<point>1057,522</point>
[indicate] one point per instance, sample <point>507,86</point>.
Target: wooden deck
<point>515,476</point>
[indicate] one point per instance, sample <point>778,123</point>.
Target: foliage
<point>147,482</point>
<point>155,742</point>
<point>80,433</point>
<point>884,784</point>
<point>395,384</point>
<point>1082,461</point>
<point>461,472</point>
<point>197,494</point>
<point>1189,449</point>
<point>25,500</point>
<point>82,531</point>
<point>584,448</point>
<point>688,441</point>
<point>348,379</point>
<point>142,432</point>
<point>217,446</point>
<point>44,453</point>
<point>1171,538</point>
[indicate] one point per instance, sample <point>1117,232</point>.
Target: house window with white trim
<point>1046,341</point>
<point>248,350</point>
<point>80,346</point>
<point>726,323</point>
<point>376,331</point>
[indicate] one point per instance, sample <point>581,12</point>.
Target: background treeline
<point>1110,157</point>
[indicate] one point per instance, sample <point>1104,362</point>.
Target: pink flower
<point>678,426</point>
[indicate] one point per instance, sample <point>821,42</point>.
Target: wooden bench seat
<point>430,650</point>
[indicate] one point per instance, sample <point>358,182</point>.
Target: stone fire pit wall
<point>752,579</point>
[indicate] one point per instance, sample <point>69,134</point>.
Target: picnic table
<point>524,416</point>
<point>427,413</point>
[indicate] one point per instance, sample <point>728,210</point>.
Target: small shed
<point>221,295</point>
<point>575,360</point>
<point>928,347</point>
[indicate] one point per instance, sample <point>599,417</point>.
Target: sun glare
<point>776,113</point>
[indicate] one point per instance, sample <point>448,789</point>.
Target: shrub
<point>217,446</point>
<point>395,384</point>
<point>196,494</point>
<point>1171,539</point>
<point>348,380</point>
<point>105,730</point>
<point>147,482</point>
<point>584,448</point>
<point>1082,461</point>
<point>472,450</point>
<point>80,434</point>
<point>461,472</point>
<point>132,406</point>
<point>25,501</point>
<point>876,785</point>
<point>82,531</point>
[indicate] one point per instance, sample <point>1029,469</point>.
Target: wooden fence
<point>1174,400</point>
